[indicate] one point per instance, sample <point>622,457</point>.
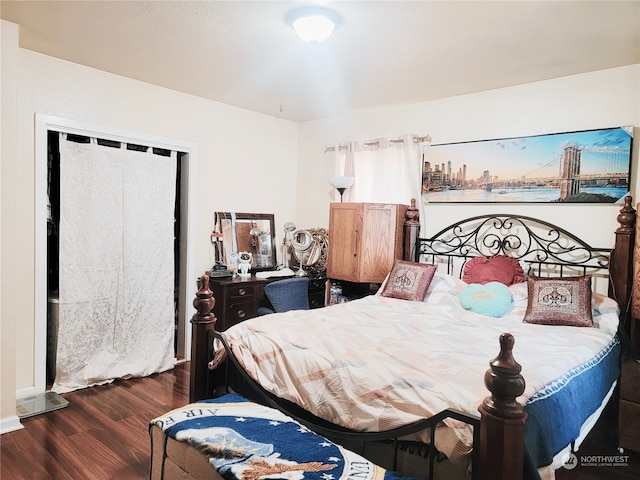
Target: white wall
<point>9,239</point>
<point>608,98</point>
<point>241,155</point>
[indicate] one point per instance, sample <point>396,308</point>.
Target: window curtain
<point>386,170</point>
<point>116,280</point>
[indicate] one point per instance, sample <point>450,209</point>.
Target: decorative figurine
<point>244,259</point>
<point>233,264</point>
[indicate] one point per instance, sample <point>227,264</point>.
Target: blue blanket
<point>245,440</point>
<point>556,413</point>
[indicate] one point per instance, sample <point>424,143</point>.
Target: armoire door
<point>364,240</point>
<point>345,227</point>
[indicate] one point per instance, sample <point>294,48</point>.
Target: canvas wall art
<point>591,166</point>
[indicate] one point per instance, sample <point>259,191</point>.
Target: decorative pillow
<point>409,280</point>
<point>559,301</point>
<point>500,268</point>
<point>492,299</point>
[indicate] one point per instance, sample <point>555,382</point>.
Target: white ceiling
<point>384,53</point>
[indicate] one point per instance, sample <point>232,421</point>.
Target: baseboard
<point>10,424</point>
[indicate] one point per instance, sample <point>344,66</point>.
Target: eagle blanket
<point>247,441</point>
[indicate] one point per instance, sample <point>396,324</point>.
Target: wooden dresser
<point>629,409</point>
<point>238,299</point>
<point>364,240</point>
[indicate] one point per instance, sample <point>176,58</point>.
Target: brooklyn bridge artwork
<point>591,166</point>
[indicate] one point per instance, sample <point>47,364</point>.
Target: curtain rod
<point>106,142</point>
<point>416,139</point>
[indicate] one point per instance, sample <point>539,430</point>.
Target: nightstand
<point>629,408</point>
<point>317,291</point>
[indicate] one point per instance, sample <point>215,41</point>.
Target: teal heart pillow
<point>492,299</point>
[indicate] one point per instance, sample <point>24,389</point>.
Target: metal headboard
<point>542,248</point>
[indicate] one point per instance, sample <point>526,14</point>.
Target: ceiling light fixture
<point>313,23</point>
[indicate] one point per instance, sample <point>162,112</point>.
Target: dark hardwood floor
<point>103,434</point>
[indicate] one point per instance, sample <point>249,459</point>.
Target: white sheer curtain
<point>116,284</point>
<point>386,170</point>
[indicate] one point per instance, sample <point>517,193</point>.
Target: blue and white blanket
<point>557,412</point>
<point>245,440</point>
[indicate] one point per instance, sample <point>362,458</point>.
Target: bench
<point>230,437</point>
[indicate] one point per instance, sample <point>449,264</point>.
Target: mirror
<point>314,260</point>
<point>246,232</point>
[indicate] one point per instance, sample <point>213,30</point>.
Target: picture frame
<point>588,166</point>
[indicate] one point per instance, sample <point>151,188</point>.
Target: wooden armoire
<point>364,240</point>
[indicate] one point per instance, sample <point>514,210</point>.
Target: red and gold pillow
<point>408,280</point>
<point>499,268</point>
<point>559,301</point>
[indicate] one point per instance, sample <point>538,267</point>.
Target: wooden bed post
<point>621,266</point>
<point>411,232</point>
<point>201,322</point>
<point>502,418</point>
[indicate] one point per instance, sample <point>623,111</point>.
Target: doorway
<point>185,288</point>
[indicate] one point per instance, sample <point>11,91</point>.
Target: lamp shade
<point>341,182</point>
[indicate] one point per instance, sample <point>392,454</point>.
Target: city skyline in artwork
<point>586,166</point>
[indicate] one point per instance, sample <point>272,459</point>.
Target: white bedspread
<point>378,363</point>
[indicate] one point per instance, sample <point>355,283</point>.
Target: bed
<point>421,367</point>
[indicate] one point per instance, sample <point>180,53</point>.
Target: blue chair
<point>285,295</point>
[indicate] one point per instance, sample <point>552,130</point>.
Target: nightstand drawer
<point>317,284</point>
<point>630,381</point>
<point>629,418</point>
<point>240,311</point>
<point>241,291</point>
<point>631,443</point>
<point>316,300</point>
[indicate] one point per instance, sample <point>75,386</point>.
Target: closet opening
<point>53,241</point>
